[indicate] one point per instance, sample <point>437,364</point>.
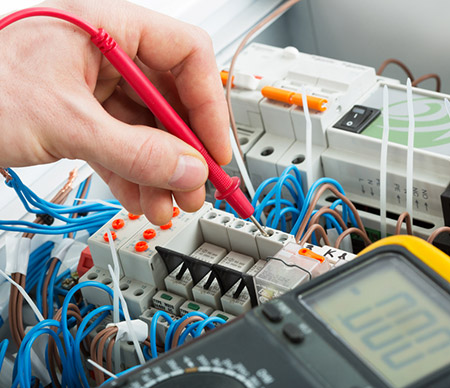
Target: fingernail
<point>189,174</point>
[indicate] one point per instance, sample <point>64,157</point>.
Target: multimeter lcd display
<point>392,316</point>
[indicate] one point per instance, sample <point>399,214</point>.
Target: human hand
<point>62,99</point>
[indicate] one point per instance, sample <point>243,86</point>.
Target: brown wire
<point>19,310</point>
<point>12,311</point>
<point>97,352</point>
<point>109,352</point>
<point>326,210</point>
<point>398,63</point>
<point>47,279</point>
<point>281,9</point>
<point>428,76</point>
<point>314,201</point>
<point>315,228</point>
<point>437,232</point>
<point>349,231</point>
<point>101,349</point>
<point>5,174</point>
<point>401,218</point>
<point>82,196</point>
<point>182,326</point>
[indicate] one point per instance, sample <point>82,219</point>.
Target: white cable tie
<point>101,369</point>
<point>410,152</point>
<point>128,319</point>
<point>101,202</point>
<point>308,156</point>
<point>12,247</point>
<point>383,162</point>
<point>25,295</point>
<point>116,288</point>
<point>140,328</point>
<point>62,248</point>
<point>447,106</point>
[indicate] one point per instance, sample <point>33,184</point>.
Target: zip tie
<point>383,162</point>
<point>123,334</point>
<point>99,201</point>
<point>116,288</point>
<point>128,319</point>
<point>25,295</point>
<point>63,247</point>
<point>308,155</point>
<point>410,152</point>
<point>100,368</point>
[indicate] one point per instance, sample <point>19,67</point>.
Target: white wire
<point>101,369</point>
<point>25,295</point>
<point>116,315</point>
<point>128,319</point>
<point>241,166</point>
<point>101,202</point>
<point>308,156</point>
<point>383,162</point>
<point>410,152</point>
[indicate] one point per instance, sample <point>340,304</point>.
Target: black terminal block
<point>358,119</point>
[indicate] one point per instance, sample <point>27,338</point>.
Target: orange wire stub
<point>132,216</point>
<point>166,226</point>
<point>113,234</point>
<point>176,211</point>
<point>309,253</point>
<point>224,78</point>
<point>149,234</point>
<point>290,97</point>
<point>118,224</point>
<point>141,246</point>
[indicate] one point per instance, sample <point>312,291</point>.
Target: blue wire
<point>51,286</point>
<point>120,374</point>
<point>174,326</point>
<point>207,322</point>
<point>3,347</point>
<point>153,325</point>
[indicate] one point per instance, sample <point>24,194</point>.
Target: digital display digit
<point>392,316</point>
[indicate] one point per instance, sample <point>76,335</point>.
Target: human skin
<point>60,98</point>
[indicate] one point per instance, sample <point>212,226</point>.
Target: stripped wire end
<point>6,174</point>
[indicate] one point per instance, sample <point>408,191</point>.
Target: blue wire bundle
<point>297,207</point>
<point>36,205</point>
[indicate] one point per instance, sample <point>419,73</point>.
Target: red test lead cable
<point>227,187</point>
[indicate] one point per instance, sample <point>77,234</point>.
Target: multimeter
<point>382,320</point>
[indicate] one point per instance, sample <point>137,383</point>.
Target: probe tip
<point>258,225</point>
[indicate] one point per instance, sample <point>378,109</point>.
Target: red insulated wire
<point>227,188</point>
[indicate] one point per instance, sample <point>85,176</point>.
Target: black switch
<point>358,119</point>
<point>293,333</point>
<point>272,313</point>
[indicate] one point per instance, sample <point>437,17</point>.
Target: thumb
<point>140,154</point>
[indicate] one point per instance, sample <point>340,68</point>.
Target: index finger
<point>166,44</point>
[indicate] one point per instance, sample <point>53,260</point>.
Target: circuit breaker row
<point>272,132</point>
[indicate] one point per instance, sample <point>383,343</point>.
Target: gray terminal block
<point>138,295</point>
<point>242,238</point>
<point>94,295</point>
<point>183,285</point>
<point>211,295</point>
<point>123,226</point>
<point>139,257</point>
<point>242,303</point>
<point>262,159</point>
<point>213,225</point>
<point>191,306</point>
<point>168,301</point>
<point>223,315</point>
<point>161,326</point>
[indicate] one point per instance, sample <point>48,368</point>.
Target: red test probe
<point>227,188</point>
